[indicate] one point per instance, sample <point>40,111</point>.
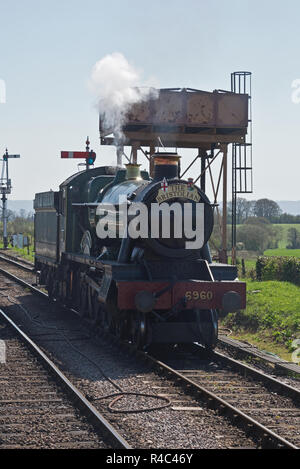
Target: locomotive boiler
<point>131,254</point>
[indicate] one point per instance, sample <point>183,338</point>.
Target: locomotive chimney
<point>165,166</point>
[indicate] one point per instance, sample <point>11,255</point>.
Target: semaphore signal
<point>88,155</point>
<point>5,188</point>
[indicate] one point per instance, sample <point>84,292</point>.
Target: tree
<point>287,218</point>
<point>257,221</point>
<point>244,209</point>
<point>9,213</point>
<point>253,237</point>
<point>293,237</point>
<point>266,208</point>
<point>22,213</point>
<point>258,234</point>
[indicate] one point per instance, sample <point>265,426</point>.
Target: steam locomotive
<point>99,250</point>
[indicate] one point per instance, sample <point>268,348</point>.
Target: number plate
<point>194,295</point>
<point>206,295</point>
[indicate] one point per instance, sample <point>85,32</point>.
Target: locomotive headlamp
<point>165,165</point>
<point>166,158</point>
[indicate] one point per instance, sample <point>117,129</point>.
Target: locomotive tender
<point>143,289</point>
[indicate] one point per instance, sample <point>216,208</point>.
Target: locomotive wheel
<point>62,291</point>
<point>94,309</point>
<point>43,276</point>
<point>139,330</point>
<point>108,322</point>
<point>83,300</point>
<point>208,326</point>
<point>53,290</point>
<point>50,289</point>
<point>50,285</point>
<point>76,291</point>
<point>101,316</point>
<point>122,332</point>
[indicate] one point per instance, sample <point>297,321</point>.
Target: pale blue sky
<point>48,48</point>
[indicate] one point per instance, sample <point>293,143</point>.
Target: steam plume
<point>116,85</point>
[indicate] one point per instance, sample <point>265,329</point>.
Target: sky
<point>48,50</point>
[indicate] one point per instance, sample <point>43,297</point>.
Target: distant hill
<point>17,205</point>
<point>287,206</point>
<point>290,206</point>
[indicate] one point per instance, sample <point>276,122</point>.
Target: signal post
<point>5,189</point>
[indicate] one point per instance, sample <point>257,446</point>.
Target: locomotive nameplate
<point>174,191</point>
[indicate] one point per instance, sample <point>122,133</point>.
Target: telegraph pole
<point>5,189</point>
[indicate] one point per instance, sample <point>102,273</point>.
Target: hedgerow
<point>285,269</point>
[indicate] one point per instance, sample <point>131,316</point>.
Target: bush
<point>286,269</point>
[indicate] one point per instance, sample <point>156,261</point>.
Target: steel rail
<point>25,284</point>
<point>284,388</point>
<point>79,400</point>
<point>16,263</point>
<point>265,434</point>
<point>246,350</point>
<point>268,438</point>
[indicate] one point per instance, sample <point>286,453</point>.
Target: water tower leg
<point>151,161</point>
<point>4,217</point>
<point>135,147</point>
<point>223,254</point>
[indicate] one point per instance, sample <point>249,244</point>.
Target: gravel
<point>34,413</point>
<point>166,428</point>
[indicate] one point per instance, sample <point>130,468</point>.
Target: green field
<point>283,252</point>
<point>280,251</point>
<point>284,233</point>
<point>272,316</point>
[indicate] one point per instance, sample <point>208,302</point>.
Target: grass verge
<point>21,252</point>
<point>272,318</point>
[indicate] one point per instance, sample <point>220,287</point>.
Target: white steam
<point>117,86</point>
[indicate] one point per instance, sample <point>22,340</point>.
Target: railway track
<point>266,409</point>
<point>40,407</point>
<point>21,263</point>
